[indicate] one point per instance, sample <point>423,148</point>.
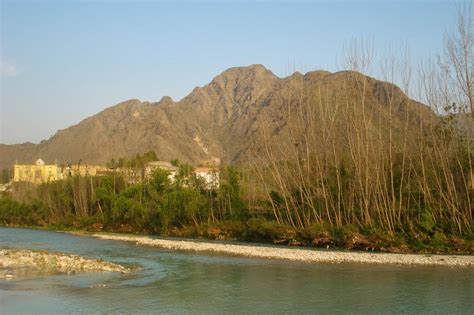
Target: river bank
<point>344,239</point>
<point>12,260</point>
<point>297,254</point>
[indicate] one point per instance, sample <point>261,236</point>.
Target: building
<point>210,175</point>
<point>129,174</point>
<point>163,165</point>
<point>36,173</point>
<point>84,170</point>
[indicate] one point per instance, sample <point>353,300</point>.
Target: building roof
<point>162,164</point>
<point>205,170</point>
<point>159,163</point>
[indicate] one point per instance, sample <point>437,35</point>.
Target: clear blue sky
<point>64,61</point>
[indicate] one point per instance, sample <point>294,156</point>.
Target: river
<point>176,282</point>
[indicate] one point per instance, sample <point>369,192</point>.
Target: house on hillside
<point>36,173</point>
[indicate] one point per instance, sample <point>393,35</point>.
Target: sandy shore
<point>295,254</point>
<point>43,261</point>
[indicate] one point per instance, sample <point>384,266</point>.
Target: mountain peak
<point>257,67</point>
<point>166,100</point>
<point>255,71</point>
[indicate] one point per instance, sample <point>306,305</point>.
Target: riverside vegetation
<point>334,160</point>
<point>157,206</point>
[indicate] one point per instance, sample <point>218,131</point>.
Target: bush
<point>313,231</point>
<point>439,240</point>
<point>16,213</point>
<point>260,229</point>
<point>344,231</point>
<point>426,222</point>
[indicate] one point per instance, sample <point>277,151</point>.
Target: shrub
<point>439,240</point>
<point>260,229</point>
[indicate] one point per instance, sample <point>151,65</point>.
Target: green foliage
<point>126,210</point>
<point>439,240</point>
<point>185,207</point>
<point>159,182</point>
<point>344,231</point>
<point>276,198</point>
<point>104,195</point>
<point>314,230</point>
<point>16,213</point>
<point>426,222</point>
<point>229,196</point>
<point>156,205</point>
<point>175,162</point>
<point>139,161</point>
<point>6,176</point>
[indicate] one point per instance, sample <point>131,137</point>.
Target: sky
<point>63,61</point>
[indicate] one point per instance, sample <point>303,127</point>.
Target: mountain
<point>223,119</point>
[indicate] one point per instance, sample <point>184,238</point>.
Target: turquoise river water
<point>174,282</point>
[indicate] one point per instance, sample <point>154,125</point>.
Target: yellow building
<point>36,173</point>
<point>84,170</point>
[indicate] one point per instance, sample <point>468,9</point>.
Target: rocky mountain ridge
<point>222,119</point>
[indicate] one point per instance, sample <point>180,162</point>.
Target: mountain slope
<point>223,119</point>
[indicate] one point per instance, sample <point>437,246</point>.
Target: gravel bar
<point>304,255</point>
<point>54,262</point>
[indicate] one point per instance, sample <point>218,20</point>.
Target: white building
<point>211,176</point>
